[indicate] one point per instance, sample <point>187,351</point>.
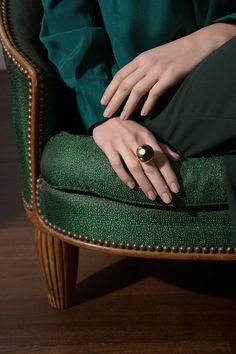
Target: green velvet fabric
<point>75,163</point>
<point>108,219</point>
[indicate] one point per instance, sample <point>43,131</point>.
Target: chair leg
<point>58,261</point>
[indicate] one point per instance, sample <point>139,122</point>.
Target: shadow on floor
<point>214,278</point>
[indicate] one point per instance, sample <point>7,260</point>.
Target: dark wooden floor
<point>123,305</point>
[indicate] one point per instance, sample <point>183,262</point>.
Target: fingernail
<point>151,195</point>
<point>107,112</point>
<point>166,198</point>
<point>143,113</point>
<point>123,115</point>
<point>104,99</point>
<point>131,184</point>
<point>174,187</point>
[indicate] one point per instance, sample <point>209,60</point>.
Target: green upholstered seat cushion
<point>77,213</point>
<point>74,162</point>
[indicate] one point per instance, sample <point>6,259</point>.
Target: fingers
<point>153,177</point>
<point>156,91</point>
<point>117,165</point>
<point>137,92</point>
<point>136,85</point>
<point>161,161</point>
<point>158,182</point>
<point>167,150</point>
<point>164,166</point>
<point>138,173</point>
<point>123,90</point>
<point>117,79</point>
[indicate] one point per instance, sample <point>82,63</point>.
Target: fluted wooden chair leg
<point>58,261</point>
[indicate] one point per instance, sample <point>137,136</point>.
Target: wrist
<point>91,129</point>
<point>108,121</point>
<point>213,36</point>
<point>223,32</point>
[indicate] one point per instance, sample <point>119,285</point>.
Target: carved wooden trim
<point>58,261</point>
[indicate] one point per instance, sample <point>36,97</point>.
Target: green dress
<point>88,41</point>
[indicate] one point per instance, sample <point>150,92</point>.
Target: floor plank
<point>158,347</point>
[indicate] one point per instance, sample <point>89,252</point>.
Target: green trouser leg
<point>197,117</point>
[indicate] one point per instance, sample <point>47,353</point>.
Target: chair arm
<point>38,94</point>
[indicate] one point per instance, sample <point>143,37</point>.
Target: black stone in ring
<point>145,153</point>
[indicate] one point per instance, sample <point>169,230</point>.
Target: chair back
<point>42,105</point>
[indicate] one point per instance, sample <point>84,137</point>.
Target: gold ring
<point>145,153</point>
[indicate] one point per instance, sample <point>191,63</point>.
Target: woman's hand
<point>119,140</point>
<point>157,69</point>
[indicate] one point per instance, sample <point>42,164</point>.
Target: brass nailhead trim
<point>129,246</point>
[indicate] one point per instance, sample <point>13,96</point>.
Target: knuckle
<point>162,162</point>
<point>153,93</point>
<point>115,162</point>
<point>171,178</point>
<point>146,134</point>
<point>168,171</point>
<point>123,177</point>
<point>144,56</point>
<point>107,147</point>
<point>146,187</point>
<point>125,86</point>
<point>139,58</point>
<point>137,90</point>
<point>118,76</point>
<point>150,169</point>
<point>171,70</point>
<point>162,188</point>
<point>131,139</point>
<point>134,166</point>
<point>116,165</point>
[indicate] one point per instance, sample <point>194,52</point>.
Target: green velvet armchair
<point>70,191</point>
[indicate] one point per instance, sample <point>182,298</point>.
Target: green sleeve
<point>231,15</point>
<point>80,51</point>
<point>226,18</point>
